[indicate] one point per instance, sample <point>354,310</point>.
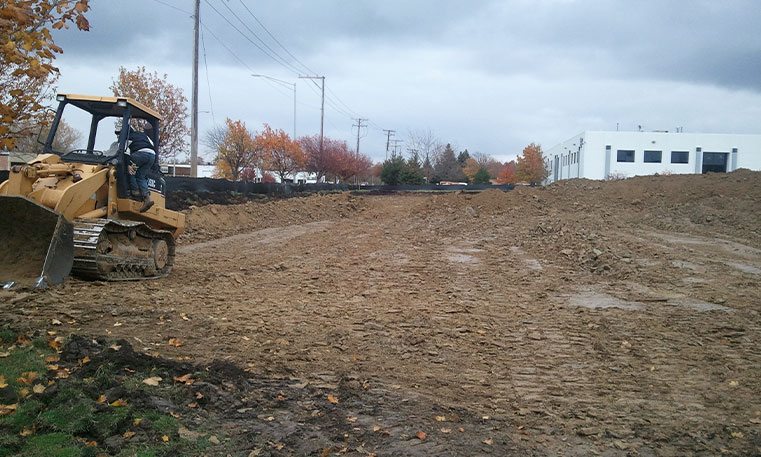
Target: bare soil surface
<point>584,318</point>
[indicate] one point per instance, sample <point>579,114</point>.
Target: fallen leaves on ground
<point>56,343</point>
<point>27,378</point>
<point>63,373</point>
<point>176,342</point>
<point>118,403</point>
<point>7,409</point>
<point>152,381</point>
<point>420,435</point>
<point>332,399</point>
<point>185,379</point>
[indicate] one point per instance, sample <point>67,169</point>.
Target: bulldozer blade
<point>36,243</point>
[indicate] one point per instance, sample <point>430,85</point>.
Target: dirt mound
<point>579,220</point>
<point>215,221</point>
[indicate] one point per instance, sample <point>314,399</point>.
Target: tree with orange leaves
<point>236,149</point>
<point>507,173</point>
<point>530,167</point>
<point>157,93</point>
<point>282,155</point>
<point>27,52</point>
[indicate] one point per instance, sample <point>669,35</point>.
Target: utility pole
<point>194,108</point>
<point>359,130</point>
<point>322,107</point>
<point>388,139</point>
<point>396,145</point>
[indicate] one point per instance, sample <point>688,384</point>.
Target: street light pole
<point>294,96</point>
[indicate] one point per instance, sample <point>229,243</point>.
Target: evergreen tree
<point>481,176</point>
<point>391,174</point>
<point>447,167</point>
<point>463,157</point>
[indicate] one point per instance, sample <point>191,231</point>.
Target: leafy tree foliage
<point>66,139</point>
<point>530,167</point>
<point>471,168</point>
<point>282,155</point>
<point>481,176</point>
<point>507,173</point>
<point>335,161</point>
<point>157,93</point>
<point>236,150</point>
<point>27,52</point>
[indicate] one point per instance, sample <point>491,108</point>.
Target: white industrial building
<point>605,155</point>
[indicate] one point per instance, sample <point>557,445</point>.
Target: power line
<point>310,71</point>
<point>344,104</point>
<point>208,84</point>
<point>264,51</point>
<point>226,47</point>
<point>275,53</point>
<point>174,7</point>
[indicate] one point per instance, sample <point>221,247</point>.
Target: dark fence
<point>285,189</point>
<point>278,189</point>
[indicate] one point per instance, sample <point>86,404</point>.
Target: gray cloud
<point>488,75</point>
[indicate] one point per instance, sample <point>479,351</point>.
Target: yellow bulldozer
<point>70,212</point>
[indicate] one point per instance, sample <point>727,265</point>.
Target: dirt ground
<point>584,318</point>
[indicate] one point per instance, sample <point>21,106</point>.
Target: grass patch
<point>51,445</point>
<point>7,336</point>
<point>65,417</point>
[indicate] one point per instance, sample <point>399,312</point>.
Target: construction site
<point>582,318</point>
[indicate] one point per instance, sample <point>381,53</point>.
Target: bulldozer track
<point>112,250</point>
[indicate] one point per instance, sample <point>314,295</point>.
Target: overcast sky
<point>489,76</point>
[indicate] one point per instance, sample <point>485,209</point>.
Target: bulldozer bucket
<point>36,244</point>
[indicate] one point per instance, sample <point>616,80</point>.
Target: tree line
<point>245,155</point>
<point>428,161</point>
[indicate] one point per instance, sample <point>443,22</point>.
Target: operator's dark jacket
<point>139,140</point>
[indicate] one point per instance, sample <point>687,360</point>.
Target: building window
<point>625,155</point>
<point>653,156</point>
<point>680,157</point>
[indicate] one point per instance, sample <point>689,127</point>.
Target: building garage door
<point>715,162</point>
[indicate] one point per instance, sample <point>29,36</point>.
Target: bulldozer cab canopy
<point>110,106</point>
<point>86,128</point>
